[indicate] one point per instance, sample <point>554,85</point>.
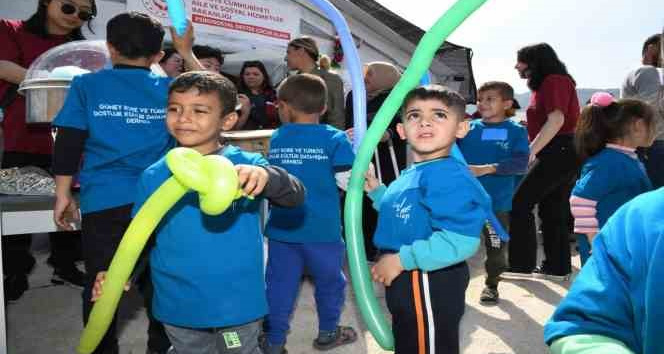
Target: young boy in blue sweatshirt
<point>615,303</point>
<point>496,149</point>
<point>115,117</point>
<point>429,223</point>
<point>209,288</point>
<point>308,236</point>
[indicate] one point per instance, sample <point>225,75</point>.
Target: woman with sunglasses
<point>256,85</point>
<point>22,41</point>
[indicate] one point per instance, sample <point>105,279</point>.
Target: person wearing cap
<point>302,55</point>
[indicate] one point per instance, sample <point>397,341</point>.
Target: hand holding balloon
<point>97,289</point>
<point>252,179</point>
<point>387,269</point>
<point>214,178</point>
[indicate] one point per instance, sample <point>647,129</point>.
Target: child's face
<point>195,119</point>
<point>430,127</point>
<point>492,105</point>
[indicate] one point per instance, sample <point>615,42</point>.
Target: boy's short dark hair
<point>447,96</point>
<point>306,93</point>
<point>135,35</point>
<point>208,82</point>
<point>205,51</point>
<point>504,89</point>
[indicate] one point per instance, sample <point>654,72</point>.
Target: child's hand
<point>184,43</point>
<point>387,269</point>
<point>370,182</point>
<point>97,289</point>
<point>252,179</point>
<point>349,132</point>
<point>184,46</point>
<point>65,211</point>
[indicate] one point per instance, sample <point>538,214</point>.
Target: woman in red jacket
<point>551,120</point>
<point>22,41</point>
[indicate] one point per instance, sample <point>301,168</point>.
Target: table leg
<point>3,327</point>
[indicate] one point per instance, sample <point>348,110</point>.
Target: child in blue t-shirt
<point>496,149</point>
<point>115,117</point>
<point>615,304</point>
<point>607,136</point>
<point>429,223</point>
<point>308,236</point>
<point>209,288</point>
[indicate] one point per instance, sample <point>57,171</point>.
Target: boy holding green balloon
<point>209,288</point>
<point>429,223</point>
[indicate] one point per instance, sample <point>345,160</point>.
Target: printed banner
<point>272,22</point>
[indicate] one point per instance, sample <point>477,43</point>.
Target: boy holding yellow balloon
<point>209,288</point>
<point>115,117</point>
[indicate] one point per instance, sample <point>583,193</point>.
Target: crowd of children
<point>211,291</point>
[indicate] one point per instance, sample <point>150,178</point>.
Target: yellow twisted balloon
<point>216,181</point>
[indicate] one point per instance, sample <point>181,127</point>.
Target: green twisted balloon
<point>216,181</point>
<point>422,58</point>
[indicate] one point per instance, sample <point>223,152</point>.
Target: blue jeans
<point>285,266</point>
<point>241,339</point>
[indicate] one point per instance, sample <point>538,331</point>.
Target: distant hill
<point>584,95</point>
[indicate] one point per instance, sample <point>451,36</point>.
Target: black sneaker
<point>71,276</point>
<point>15,285</point>
<point>542,273</point>
<point>489,296</point>
<point>512,273</point>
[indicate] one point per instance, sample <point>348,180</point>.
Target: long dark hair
<point>267,83</point>
<point>36,24</point>
<point>542,61</point>
<point>600,125</point>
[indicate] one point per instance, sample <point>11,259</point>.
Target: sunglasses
<point>70,9</point>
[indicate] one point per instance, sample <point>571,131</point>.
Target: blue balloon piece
<point>493,220</point>
<point>354,66</point>
<point>426,79</point>
<point>178,15</point>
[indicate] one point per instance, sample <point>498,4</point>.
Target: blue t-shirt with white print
<point>489,143</point>
<point>207,270</point>
<point>123,113</point>
<point>433,196</point>
<point>312,153</point>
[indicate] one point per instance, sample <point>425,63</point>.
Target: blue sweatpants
<point>285,265</point>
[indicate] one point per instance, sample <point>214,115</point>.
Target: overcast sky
<point>598,40</point>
